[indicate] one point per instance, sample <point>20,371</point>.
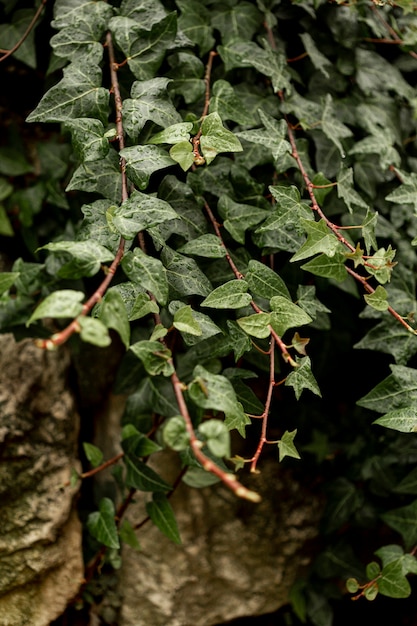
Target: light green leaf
<point>142,306</point>
<point>87,257</point>
<point>285,314</point>
<point>264,282</point>
<point>328,267</point>
<point>230,295</point>
<point>162,515</point>
<point>406,193</point>
<point>216,138</point>
<point>102,526</point>
<point>378,299</point>
<point>207,245</point>
<point>94,331</point>
<point>173,134</point>
<point>318,59</point>
<point>185,322</point>
<point>380,264</point>
<point>113,314</point>
<point>392,582</point>
<point>7,279</point>
<point>182,153</point>
<point>150,101</point>
<point>206,325</point>
<point>154,356</point>
<point>286,445</point>
<point>59,304</point>
<point>217,437</point>
<point>128,536</point>
<point>139,212</point>
<point>319,239</point>
<point>175,433</point>
<point>257,325</point>
<point>142,161</point>
<point>302,378</point>
<point>94,455</point>
<point>404,420</point>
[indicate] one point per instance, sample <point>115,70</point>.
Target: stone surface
<point>237,558</point>
<point>41,564</point>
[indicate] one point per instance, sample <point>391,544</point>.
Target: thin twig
<point>265,414</point>
<point>26,33</point>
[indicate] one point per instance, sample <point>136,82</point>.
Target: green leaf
<point>286,446</point>
<point>285,314</point>
<point>95,225</point>
<point>212,391</point>
<point>6,229</point>
<point>173,134</point>
<point>380,264</point>
<point>102,177</point>
<point>239,217</point>
<point>13,163</point>
<point>215,138</point>
<point>150,101</point>
<point>154,356</point>
<point>175,433</point>
<point>228,105</point>
<point>230,295</point>
<point>94,331</point>
<point>264,282</point>
<point>302,378</point>
<point>184,321</point>
<point>136,444</point>
<point>318,59</point>
<point>346,191</point>
<point>319,239</point>
<point>257,325</point>
<point>113,314</point>
<point>14,32</point>
<point>404,420</point>
<point>139,212</point>
<point>217,437</point>
<point>140,476</point>
<point>128,536</point>
<point>7,279</point>
<point>378,299</point>
<point>207,328</point>
<point>397,391</point>
<point>272,136</point>
<point>87,257</point>
<point>195,24</point>
<point>88,139</point>
<point>78,94</point>
<point>184,276</point>
<point>102,526</point>
<point>207,245</point>
<point>238,22</point>
<point>162,515</point>
<point>147,272</point>
<point>368,230</point>
<point>142,306</point>
<point>142,161</point>
<point>94,455</point>
<point>406,193</point>
<point>392,582</point>
<point>59,304</point>
<point>182,153</point>
<point>272,63</point>
<point>144,48</point>
<point>404,521</point>
<point>332,127</point>
<point>328,267</point>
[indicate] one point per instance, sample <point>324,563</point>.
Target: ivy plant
<point>233,195</point>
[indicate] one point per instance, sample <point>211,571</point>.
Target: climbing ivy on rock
<point>240,168</point>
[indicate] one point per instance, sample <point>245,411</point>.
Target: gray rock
<point>41,565</point>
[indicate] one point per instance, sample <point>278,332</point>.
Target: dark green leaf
<point>102,525</point>
<point>162,515</point>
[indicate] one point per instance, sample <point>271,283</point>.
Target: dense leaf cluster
<point>244,172</point>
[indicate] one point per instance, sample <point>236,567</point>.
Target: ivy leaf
<point>392,581</point>
<point>194,22</point>
<point>207,328</point>
<point>207,245</point>
<point>239,217</point>
<point>328,267</point>
<point>319,239</point>
<point>11,33</point>
<point>380,264</point>
<point>140,476</point>
<point>216,138</point>
<point>173,134</point>
<point>346,191</point>
<point>135,443</point>
<point>139,212</point>
<point>318,59</point>
<point>147,272</point>
<point>257,325</point>
<point>230,295</point>
<point>406,193</point>
<point>286,446</point>
<point>213,391</point>
<point>88,139</point>
<point>162,515</point>
<point>59,304</point>
<point>175,433</point>
<point>404,520</point>
<point>403,420</point>
<point>264,282</point>
<point>128,536</point>
<point>142,306</point>
<point>102,177</point>
<point>113,314</point>
<point>7,279</point>
<point>332,127</point>
<point>185,322</point>
<point>217,437</point>
<point>272,63</point>
<point>87,257</point>
<point>184,276</point>
<point>307,300</point>
<point>187,73</point>
<point>391,338</point>
<point>182,153</point>
<point>142,161</point>
<point>302,378</point>
<point>102,526</point>
<point>144,48</point>
<point>228,105</point>
<point>94,455</point>
<point>368,230</point>
<point>150,101</point>
<point>378,299</point>
<point>272,136</point>
<point>78,94</point>
<point>154,356</point>
<point>94,331</point>
<point>238,22</point>
<point>397,391</point>
<point>285,314</point>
